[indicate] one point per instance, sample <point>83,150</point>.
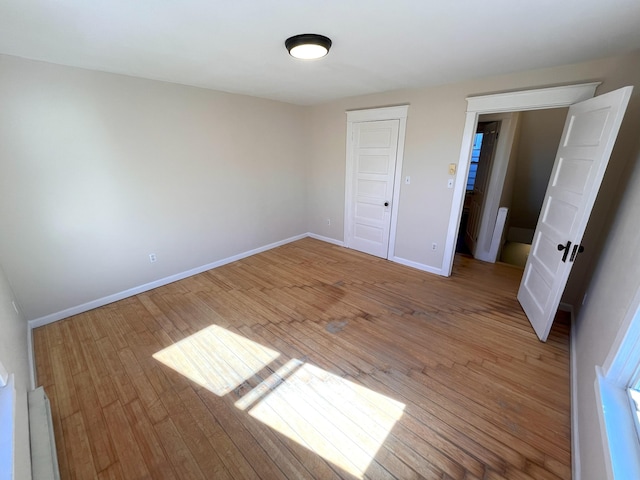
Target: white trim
<point>537,99</point>
<point>416,265</point>
<point>322,238</point>
<point>395,206</point>
<point>619,437</point>
<point>573,379</point>
<point>348,184</point>
<point>459,189</point>
<point>370,115</point>
<point>503,102</point>
<point>31,357</point>
<point>624,356</point>
<point>617,425</point>
<point>375,114</point>
<point>54,317</point>
<point>44,460</point>
<point>8,429</point>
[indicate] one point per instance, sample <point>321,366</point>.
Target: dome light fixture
<point>308,46</point>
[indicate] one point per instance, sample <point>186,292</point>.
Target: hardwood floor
<point>311,361</point>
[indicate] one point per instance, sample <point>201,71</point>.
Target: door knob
<point>566,250</point>
<point>386,204</point>
<point>576,249</point>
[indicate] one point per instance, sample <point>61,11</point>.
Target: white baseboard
<point>340,243</point>
<point>419,266</point>
<point>54,317</point>
<point>31,357</point>
<point>573,373</point>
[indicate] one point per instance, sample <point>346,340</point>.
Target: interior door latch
<point>576,249</point>
<point>566,250</point>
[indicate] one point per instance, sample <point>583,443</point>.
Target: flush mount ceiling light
<point>308,46</point>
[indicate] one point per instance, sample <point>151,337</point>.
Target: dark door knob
<point>576,249</point>
<point>386,204</point>
<point>566,250</point>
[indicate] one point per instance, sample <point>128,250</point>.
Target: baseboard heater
<point>44,460</point>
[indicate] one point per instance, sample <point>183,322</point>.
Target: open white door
<point>589,134</point>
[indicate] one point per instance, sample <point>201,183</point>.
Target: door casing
<point>372,115</point>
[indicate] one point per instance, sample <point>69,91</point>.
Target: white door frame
<point>373,115</point>
<point>537,99</point>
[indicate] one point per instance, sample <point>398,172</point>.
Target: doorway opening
<point>502,103</point>
<point>529,153</point>
<point>482,155</point>
<point>535,148</point>
<point>590,131</point>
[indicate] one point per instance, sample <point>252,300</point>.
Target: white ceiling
<point>378,45</point>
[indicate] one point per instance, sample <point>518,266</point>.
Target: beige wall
<point>13,355</point>
<point>540,132</point>
<point>99,170</point>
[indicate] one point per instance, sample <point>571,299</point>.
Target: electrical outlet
<point>152,257</point>
<point>407,180</point>
<point>434,246</point>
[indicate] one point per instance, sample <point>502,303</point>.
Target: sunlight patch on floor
<point>217,359</point>
<point>343,422</point>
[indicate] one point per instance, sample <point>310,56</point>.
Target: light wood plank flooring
<point>311,361</point>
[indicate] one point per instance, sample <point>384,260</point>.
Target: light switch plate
<point>452,169</point>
